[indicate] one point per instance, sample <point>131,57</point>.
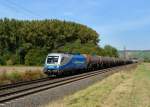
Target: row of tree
<point>28,42</point>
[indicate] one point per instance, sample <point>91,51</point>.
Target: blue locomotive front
<point>58,63</point>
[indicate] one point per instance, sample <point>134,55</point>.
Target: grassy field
<point>20,68</point>
<point>123,89</point>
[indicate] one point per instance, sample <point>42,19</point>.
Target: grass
<point>123,89</point>
<point>7,77</point>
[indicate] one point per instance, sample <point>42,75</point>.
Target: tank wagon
<point>62,64</point>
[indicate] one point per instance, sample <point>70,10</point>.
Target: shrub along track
<point>21,89</point>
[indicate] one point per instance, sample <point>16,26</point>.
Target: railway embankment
<point>128,88</point>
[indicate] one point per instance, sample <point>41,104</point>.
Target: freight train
<point>62,64</point>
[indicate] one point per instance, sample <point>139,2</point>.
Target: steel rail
<point>17,84</point>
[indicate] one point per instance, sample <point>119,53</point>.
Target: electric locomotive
<point>60,63</point>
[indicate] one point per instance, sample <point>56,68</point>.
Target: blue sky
<point>119,22</point>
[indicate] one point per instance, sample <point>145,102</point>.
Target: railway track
<point>21,89</point>
<point>17,84</point>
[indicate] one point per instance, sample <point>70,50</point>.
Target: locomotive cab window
<point>52,59</point>
<point>62,59</point>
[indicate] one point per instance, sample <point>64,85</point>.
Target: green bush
<point>110,51</point>
<point>2,61</point>
<point>13,60</point>
<point>9,62</point>
<point>35,57</point>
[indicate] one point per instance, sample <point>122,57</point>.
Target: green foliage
<point>35,57</point>
<point>2,61</point>
<point>19,38</point>
<point>77,47</point>
<point>110,51</point>
<point>13,60</point>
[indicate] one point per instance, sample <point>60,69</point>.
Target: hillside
<point>141,54</point>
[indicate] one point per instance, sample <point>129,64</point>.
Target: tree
<point>20,38</point>
<point>110,51</point>
<point>35,57</point>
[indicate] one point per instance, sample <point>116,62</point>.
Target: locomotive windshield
<point>52,59</point>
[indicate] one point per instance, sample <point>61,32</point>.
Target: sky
<point>120,23</point>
